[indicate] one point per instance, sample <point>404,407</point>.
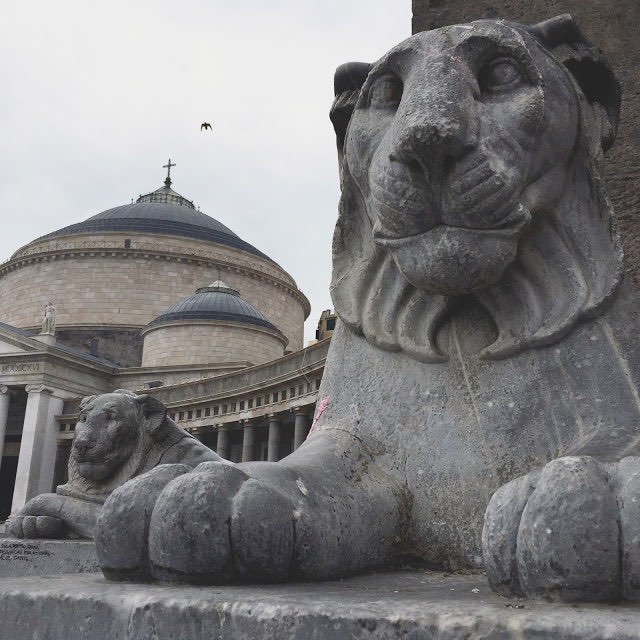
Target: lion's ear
<point>156,413</point>
<point>589,67</point>
<point>347,82</point>
<point>86,400</point>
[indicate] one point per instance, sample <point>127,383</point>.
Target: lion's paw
<point>30,526</point>
<point>208,525</point>
<point>567,532</point>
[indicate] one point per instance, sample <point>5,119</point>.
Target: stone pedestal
<point>384,606</point>
<point>46,557</point>
<point>36,463</point>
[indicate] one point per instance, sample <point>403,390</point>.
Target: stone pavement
<point>409,605</point>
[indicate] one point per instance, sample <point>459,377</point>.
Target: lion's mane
<point>569,262</point>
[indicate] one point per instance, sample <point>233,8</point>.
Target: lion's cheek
<point>454,261</point>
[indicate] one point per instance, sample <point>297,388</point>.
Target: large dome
<point>162,211</point>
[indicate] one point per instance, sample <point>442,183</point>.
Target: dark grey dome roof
<point>216,302</point>
<point>162,211</point>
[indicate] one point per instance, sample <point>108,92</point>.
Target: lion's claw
<point>568,532</point>
<point>28,526</point>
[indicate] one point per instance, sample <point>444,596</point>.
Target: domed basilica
<point>158,297</point>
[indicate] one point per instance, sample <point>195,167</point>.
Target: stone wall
<point>183,344</point>
<point>93,280</point>
<point>610,25</point>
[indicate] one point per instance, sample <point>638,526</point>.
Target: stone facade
<point>95,281</point>
<point>612,26</point>
<point>182,344</point>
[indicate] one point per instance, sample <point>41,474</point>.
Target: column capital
<point>37,388</point>
<point>3,389</point>
<point>301,411</point>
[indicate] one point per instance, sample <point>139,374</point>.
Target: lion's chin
<point>455,260</point>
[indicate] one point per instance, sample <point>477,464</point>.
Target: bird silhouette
<point>205,126</point>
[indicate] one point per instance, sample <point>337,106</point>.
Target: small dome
<point>215,302</point>
<point>162,211</point>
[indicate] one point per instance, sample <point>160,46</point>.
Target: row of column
<point>36,461</point>
<point>249,440</point>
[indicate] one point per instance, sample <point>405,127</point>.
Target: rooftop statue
<point>118,436</point>
<point>486,346</point>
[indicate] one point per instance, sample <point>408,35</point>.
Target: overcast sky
<point>97,96</point>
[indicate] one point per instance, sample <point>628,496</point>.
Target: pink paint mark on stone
<point>320,407</point>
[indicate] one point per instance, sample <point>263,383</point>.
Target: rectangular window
<point>216,410</point>
<point>308,387</point>
<point>250,403</point>
<point>198,413</point>
<point>292,392</point>
<point>300,389</point>
<point>331,324</point>
<point>233,406</point>
<point>258,401</point>
<point>317,383</point>
<point>241,405</point>
<point>181,415</point>
<point>207,412</point>
<point>189,415</point>
<point>274,397</point>
<point>224,408</point>
<point>283,395</point>
<point>266,399</point>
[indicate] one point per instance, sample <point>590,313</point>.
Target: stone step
<point>408,605</point>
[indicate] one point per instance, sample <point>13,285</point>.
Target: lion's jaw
<point>443,163</point>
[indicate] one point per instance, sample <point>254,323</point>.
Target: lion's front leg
<point>324,511</point>
<point>568,532</point>
<point>50,515</point>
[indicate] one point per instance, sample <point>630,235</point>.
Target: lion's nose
<point>435,120</point>
<point>81,443</point>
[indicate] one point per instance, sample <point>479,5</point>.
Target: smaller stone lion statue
<point>118,436</point>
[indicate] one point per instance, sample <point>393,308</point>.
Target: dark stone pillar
<point>301,427</point>
<point>249,441</point>
<point>275,436</point>
<point>224,442</point>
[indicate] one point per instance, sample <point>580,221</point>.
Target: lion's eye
<point>385,92</point>
<point>82,417</point>
<point>499,74</point>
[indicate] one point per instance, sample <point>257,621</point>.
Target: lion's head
<point>469,165</point>
<point>113,436</point>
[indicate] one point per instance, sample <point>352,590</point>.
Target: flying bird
<point>205,126</point>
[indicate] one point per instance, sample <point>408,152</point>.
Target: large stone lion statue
<point>485,332</point>
<point>118,436</point>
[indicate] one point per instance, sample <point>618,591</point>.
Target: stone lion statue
<point>118,436</point>
<point>487,345</point>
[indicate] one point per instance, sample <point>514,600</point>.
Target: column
<point>224,442</point>
<point>249,441</point>
<point>37,459</point>
<point>301,427</point>
<point>275,436</point>
<point>5,397</point>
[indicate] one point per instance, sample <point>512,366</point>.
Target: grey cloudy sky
<point>97,97</point>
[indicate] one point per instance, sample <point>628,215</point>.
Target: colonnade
<point>278,426</point>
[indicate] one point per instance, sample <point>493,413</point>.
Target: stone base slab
<point>407,605</point>
<point>46,557</point>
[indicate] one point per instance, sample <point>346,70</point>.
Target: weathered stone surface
<point>118,436</point>
<point>46,557</point>
<point>408,606</point>
<point>485,330</point>
<point>611,25</point>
